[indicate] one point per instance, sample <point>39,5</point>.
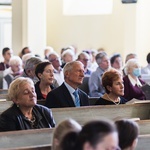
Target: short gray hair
<point>100,56</point>
<point>30,63</point>
<point>15,87</point>
<point>15,60</point>
<point>69,66</point>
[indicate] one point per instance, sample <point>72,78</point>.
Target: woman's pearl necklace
<point>116,103</point>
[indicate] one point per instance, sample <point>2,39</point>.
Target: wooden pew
<point>4,105</point>
<point>27,139</point>
<point>3,91</point>
<point>41,139</point>
<point>143,142</point>
<point>113,112</point>
<point>4,96</point>
<point>144,126</point>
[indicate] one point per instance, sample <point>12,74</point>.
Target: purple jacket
<point>131,91</point>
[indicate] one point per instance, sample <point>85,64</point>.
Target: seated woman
<point>132,82</point>
<point>95,135</point>
<point>25,113</point>
<point>45,73</point>
<point>113,83</point>
<point>128,134</point>
<point>62,129</point>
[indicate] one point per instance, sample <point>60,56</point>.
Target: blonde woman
<point>62,129</point>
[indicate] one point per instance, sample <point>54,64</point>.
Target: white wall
<point>118,32</point>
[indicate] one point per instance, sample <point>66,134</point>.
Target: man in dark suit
<point>64,95</point>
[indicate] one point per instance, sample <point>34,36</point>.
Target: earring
<point>18,105</point>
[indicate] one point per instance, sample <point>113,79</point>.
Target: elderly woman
<point>132,82</point>
<point>113,83</point>
<point>14,70</point>
<point>25,113</point>
<point>45,73</point>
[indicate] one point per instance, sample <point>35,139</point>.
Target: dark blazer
<point>13,119</point>
<point>2,66</point>
<point>38,91</point>
<point>60,97</point>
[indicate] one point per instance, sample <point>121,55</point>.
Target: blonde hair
<point>62,129</point>
<point>15,87</point>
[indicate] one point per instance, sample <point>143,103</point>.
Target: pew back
<point>113,112</point>
<point>26,139</point>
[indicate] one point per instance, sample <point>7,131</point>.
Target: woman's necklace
<point>116,103</point>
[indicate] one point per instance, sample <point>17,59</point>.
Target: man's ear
<point>28,72</point>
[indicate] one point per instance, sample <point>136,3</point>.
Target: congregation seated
<point>95,85</point>
<point>95,135</point>
<point>62,129</point>
<point>127,134</point>
<point>132,82</point>
<point>44,72</point>
<point>112,81</point>
<point>6,53</point>
<point>25,113</point>
<point>68,94</point>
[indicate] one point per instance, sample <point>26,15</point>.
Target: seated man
<point>7,53</point>
<point>95,83</point>
<point>68,94</point>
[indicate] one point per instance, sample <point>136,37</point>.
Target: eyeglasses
<point>55,59</point>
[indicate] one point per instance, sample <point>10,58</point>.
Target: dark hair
<point>109,77</point>
<point>113,58</point>
<point>92,132</point>
<point>148,58</point>
<point>23,50</point>
<point>40,67</point>
<point>69,141</point>
<point>127,132</point>
<point>100,56</point>
<point>5,50</point>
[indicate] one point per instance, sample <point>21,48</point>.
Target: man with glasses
<point>56,62</point>
<point>85,59</point>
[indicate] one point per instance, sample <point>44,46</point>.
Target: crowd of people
<point>57,80</point>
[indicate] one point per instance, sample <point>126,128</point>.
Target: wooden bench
<point>143,142</point>
<point>113,112</point>
<point>3,91</point>
<point>27,139</point>
<point>41,139</point>
<point>144,126</point>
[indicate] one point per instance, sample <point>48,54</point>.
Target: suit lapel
<point>67,97</point>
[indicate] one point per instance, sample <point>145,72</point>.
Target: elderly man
<point>95,83</point>
<point>85,59</point>
<point>68,94</point>
<point>29,68</point>
<point>58,73</point>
